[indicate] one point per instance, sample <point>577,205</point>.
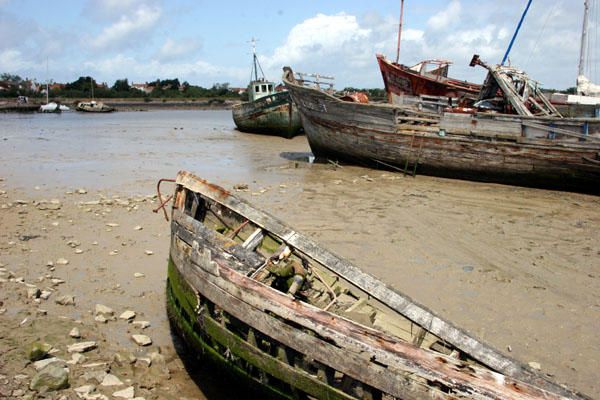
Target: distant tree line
<point>14,85</point>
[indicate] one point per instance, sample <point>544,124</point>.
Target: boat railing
<point>322,82</point>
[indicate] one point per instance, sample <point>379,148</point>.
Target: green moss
<point>181,303</point>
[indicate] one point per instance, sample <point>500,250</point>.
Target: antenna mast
<point>400,31</point>
<point>255,63</point>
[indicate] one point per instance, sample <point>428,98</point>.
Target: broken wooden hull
<point>400,80</point>
<point>529,151</point>
<point>270,115</point>
<point>341,335</point>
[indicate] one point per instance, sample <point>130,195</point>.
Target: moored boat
<point>278,309</point>
<point>529,150</point>
<point>267,110</point>
<point>93,106</point>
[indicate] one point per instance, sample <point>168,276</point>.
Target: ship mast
<point>400,31</point>
<point>582,55</point>
<point>255,64</point>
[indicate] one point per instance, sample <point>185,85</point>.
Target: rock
<point>104,310</point>
<point>124,358</point>
<point>148,252</point>
<point>74,333</point>
<point>138,228</point>
<point>97,375</point>
<point>82,347</point>
<point>127,393</point>
<point>112,224</point>
<point>141,340</point>
<point>101,318</point>
<point>535,365</point>
<point>138,275</point>
<point>45,294</point>
<point>111,380</point>
<point>113,253</point>
<point>76,358</point>
<point>41,364</point>
<point>84,390</point>
<point>38,350</point>
<point>57,281</point>
<point>52,377</point>
<point>78,251</point>
<point>141,324</point>
<point>241,187</point>
<point>127,315</point>
<point>33,293</point>
<point>145,360</point>
<point>81,191</point>
<point>66,300</point>
<point>62,261</point>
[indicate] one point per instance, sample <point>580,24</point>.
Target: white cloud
<point>183,48</point>
<point>128,28</point>
<point>318,36</point>
<point>13,60</point>
<point>445,18</point>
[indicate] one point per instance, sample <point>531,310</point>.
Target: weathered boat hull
<point>293,348</point>
<point>399,80</point>
<point>541,152</point>
<point>92,107</point>
<point>270,115</point>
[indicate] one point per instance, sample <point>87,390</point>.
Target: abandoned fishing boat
<point>267,110</point>
<point>256,296</point>
<point>529,150</point>
<point>93,106</point>
<point>427,79</point>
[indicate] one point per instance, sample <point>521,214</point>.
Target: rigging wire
<point>537,41</point>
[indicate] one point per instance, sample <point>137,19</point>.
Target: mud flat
<point>517,267</point>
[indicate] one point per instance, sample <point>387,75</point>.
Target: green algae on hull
<point>228,351</point>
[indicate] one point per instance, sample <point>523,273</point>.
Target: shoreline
<point>127,104</point>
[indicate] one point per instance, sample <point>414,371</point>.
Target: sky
<point>205,42</point>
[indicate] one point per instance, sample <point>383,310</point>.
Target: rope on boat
<point>163,203</point>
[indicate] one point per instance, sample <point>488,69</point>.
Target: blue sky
<point>206,42</point>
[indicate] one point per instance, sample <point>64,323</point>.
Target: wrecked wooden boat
<point>93,107</point>
<point>428,78</point>
<point>277,309</point>
<point>528,150</point>
<point>267,110</point>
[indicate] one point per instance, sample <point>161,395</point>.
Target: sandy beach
<point>517,267</point>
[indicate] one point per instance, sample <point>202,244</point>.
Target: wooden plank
<point>271,365</point>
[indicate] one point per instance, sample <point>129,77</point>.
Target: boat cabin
<point>260,88</point>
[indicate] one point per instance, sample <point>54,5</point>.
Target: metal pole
<point>584,29</point>
<point>512,41</point>
<point>400,31</point>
